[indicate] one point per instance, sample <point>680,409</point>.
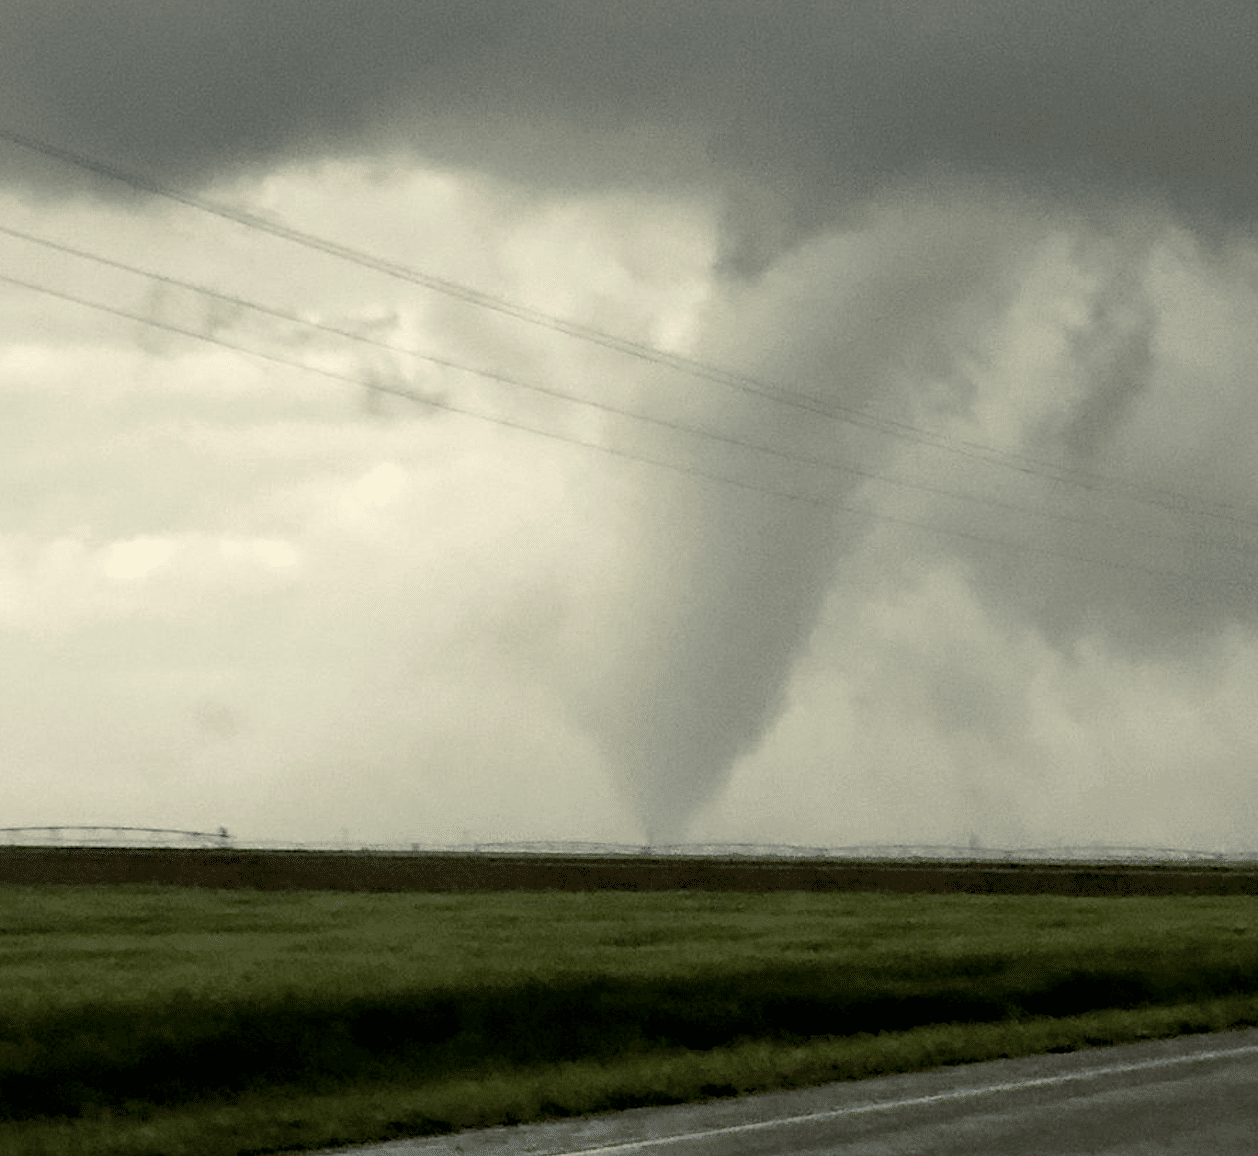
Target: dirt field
<point>449,872</point>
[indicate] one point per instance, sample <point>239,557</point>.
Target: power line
<point>413,395</point>
<point>606,407</point>
<point>409,394</point>
<point>1172,500</point>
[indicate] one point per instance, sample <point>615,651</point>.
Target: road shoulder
<point>645,1124</point>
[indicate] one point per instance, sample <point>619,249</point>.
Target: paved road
<point>1194,1095</point>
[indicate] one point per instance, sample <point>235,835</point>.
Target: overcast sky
<point>980,280</point>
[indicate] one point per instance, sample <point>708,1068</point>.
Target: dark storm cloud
<point>802,105</point>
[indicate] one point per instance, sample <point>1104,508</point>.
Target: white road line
<point>918,1101</point>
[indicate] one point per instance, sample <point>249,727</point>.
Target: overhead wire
<point>1171,500</point>
<point>602,406</point>
<point>377,386</point>
<point>437,403</point>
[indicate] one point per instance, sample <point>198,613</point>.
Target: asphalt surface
<point>1194,1094</point>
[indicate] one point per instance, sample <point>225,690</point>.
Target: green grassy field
<point>147,1020</point>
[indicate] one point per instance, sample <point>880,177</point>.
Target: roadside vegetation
<point>157,1021</point>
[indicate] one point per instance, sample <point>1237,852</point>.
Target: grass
<point>140,1020</point>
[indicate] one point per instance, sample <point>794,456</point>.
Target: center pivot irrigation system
<point>113,837</point>
<point>166,837</point>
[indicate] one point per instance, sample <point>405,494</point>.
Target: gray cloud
<point>802,108</point>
